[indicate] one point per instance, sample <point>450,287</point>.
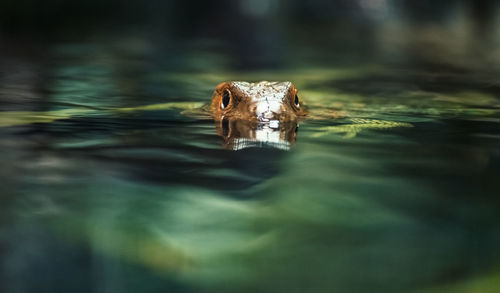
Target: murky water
<point>114,180</point>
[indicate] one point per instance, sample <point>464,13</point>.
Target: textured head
<point>260,102</point>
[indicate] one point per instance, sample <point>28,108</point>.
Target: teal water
<point>98,199</point>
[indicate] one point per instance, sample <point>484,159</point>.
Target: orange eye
<point>226,99</point>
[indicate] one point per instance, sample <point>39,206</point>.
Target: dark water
<point>391,185</point>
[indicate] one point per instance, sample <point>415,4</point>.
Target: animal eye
<point>226,98</point>
<point>296,101</point>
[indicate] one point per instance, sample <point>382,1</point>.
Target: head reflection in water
<point>263,114</point>
<point>239,134</point>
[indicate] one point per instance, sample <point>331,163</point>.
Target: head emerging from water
<point>260,102</point>
<point>261,114</point>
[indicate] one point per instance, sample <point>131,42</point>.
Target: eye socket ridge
<point>226,98</point>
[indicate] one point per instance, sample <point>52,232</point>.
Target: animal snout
<point>268,111</point>
<point>266,116</point>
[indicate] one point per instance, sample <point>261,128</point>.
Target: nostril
<point>268,115</point>
<point>269,110</point>
<point>264,117</point>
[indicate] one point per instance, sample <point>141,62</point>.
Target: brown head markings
<point>257,102</point>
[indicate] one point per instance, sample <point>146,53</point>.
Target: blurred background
<point>451,36</point>
<point>394,189</point>
<point>271,33</point>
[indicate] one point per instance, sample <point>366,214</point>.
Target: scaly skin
<point>258,102</point>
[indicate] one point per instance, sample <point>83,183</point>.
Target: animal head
<point>260,102</point>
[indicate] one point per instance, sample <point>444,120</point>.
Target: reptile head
<point>260,102</point>
<point>262,114</point>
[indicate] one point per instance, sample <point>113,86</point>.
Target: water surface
<point>391,185</point>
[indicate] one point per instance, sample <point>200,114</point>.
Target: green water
<point>391,185</point>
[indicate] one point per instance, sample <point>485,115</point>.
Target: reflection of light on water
<point>266,135</point>
<point>243,143</point>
